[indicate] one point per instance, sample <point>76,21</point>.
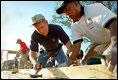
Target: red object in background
<point>23,46</point>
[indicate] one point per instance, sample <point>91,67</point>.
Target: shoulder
<point>34,34</point>
<point>94,4</point>
<point>55,27</point>
<point>22,43</point>
<point>93,7</point>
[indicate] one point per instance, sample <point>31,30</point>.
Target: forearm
<point>69,47</point>
<point>113,31</point>
<point>17,54</point>
<point>75,51</point>
<point>20,50</point>
<point>74,55</point>
<point>89,53</point>
<point>33,57</point>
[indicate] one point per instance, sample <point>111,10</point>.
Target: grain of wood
<point>74,72</point>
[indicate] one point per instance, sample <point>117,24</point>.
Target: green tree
<point>62,19</point>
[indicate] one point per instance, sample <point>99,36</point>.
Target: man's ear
<point>46,21</point>
<point>76,3</point>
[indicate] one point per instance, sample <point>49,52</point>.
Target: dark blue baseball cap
<point>63,5</point>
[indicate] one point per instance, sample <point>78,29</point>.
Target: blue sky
<point>16,21</point>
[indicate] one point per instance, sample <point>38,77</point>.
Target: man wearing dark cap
<point>48,36</point>
<point>97,23</point>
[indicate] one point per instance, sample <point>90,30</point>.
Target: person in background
<point>24,53</point>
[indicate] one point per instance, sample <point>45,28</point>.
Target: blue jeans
<point>60,57</point>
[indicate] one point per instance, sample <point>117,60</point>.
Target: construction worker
<point>48,36</point>
<point>24,53</point>
<point>97,23</point>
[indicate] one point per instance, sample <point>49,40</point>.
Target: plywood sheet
<point>75,72</point>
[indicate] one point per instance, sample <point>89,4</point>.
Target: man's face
<point>42,27</point>
<point>18,41</point>
<point>72,10</point>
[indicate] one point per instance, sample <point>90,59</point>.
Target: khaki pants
<point>24,62</point>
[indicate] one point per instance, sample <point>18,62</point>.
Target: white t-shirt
<point>91,25</point>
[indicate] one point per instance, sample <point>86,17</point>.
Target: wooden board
<point>75,72</point>
<point>11,51</point>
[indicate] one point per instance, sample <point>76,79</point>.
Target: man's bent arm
<point>89,53</point>
<point>113,31</point>
<point>33,57</point>
<point>75,50</point>
<point>69,46</point>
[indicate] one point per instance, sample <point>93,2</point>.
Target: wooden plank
<point>75,72</point>
<point>11,51</point>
